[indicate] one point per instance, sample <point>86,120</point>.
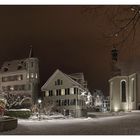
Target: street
<point>127,124</point>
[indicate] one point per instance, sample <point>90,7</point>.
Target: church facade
<point>124,89</point>
<point>123,93</point>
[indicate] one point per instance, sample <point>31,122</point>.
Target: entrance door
<point>67,112</point>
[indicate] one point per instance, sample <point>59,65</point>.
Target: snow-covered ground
<point>128,124</point>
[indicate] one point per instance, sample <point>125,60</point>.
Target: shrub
<point>19,113</point>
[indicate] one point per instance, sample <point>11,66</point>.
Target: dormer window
<point>58,82</point>
<point>19,67</point>
<point>5,69</point>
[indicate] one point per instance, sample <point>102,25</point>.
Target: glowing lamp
<point>115,109</point>
<point>39,101</point>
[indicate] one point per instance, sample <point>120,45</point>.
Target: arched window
<point>123,91</point>
<point>133,90</point>
<point>111,90</point>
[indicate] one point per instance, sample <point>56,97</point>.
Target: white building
<point>20,78</point>
<point>124,87</point>
<point>65,90</point>
<point>123,93</point>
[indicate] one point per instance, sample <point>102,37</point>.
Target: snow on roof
<point>13,65</point>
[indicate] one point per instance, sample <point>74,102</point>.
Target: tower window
<point>123,91</point>
<point>32,64</point>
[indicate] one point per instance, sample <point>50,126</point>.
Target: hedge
<point>24,114</point>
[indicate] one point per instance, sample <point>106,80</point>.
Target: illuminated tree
<point>87,97</point>
<point>98,98</point>
<point>16,101</point>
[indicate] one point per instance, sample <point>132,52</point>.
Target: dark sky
<point>65,37</point>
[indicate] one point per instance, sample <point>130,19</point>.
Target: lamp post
<point>39,103</point>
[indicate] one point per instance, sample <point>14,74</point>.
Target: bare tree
<point>48,105</point>
<point>124,20</point>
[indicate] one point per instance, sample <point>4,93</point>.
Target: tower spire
<point>31,51</point>
<point>115,68</point>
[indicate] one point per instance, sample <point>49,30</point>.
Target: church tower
<point>115,70</point>
<point>32,68</point>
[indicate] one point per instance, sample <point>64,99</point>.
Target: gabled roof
<point>54,74</point>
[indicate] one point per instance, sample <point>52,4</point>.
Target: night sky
<point>68,38</point>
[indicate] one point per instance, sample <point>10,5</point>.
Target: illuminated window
<point>12,88</point>
<point>36,75</point>
<point>20,77</point>
<point>28,75</point>
<point>123,91</point>
<point>32,75</point>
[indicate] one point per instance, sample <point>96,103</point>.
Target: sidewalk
<point>105,114</point>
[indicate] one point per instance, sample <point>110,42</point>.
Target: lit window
<point>28,75</point>
<point>20,77</point>
<point>11,88</point>
<point>36,75</point>
<point>32,75</point>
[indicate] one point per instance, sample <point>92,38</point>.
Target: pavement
<point>124,124</point>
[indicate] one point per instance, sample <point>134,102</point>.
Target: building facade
<point>65,91</point>
<point>123,93</point>
<point>124,87</point>
<point>20,78</point>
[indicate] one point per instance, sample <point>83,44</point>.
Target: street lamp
<point>39,103</point>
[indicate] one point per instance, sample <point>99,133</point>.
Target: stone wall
<point>8,124</point>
